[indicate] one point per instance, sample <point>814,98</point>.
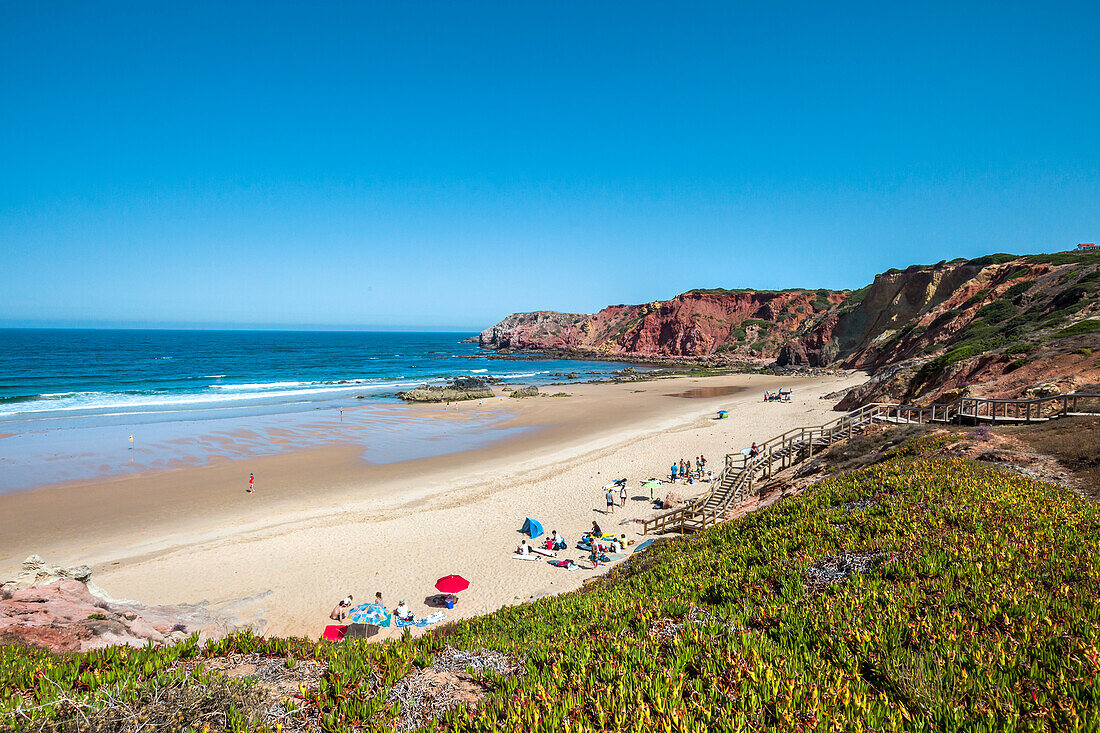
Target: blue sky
<point>440,165</point>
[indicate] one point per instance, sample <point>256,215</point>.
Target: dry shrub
<point>1073,441</point>
<point>222,705</point>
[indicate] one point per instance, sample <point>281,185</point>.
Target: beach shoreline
<point>323,522</point>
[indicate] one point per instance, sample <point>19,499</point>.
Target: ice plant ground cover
<point>979,612</point>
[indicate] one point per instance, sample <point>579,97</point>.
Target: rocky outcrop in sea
<point>462,388</point>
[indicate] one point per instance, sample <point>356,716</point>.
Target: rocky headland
<point>995,326</point>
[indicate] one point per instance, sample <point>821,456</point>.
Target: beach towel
<point>567,564</point>
<point>334,633</point>
<point>433,618</point>
<point>406,621</point>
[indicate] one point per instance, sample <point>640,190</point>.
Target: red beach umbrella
<point>452,584</point>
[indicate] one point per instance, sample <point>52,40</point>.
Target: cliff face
<point>895,301</point>
<point>986,327</point>
<point>730,324</point>
<point>993,326</point>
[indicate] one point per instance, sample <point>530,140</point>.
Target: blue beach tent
<point>532,527</point>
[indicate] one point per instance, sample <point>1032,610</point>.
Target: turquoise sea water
<point>71,399</point>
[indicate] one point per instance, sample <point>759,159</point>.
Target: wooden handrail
<point>846,425</point>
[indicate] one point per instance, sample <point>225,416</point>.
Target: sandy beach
<point>324,523</point>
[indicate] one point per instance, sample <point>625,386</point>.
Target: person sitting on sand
<point>596,531</point>
<point>378,599</point>
<point>523,549</point>
<point>616,546</point>
<point>341,611</point>
<point>402,610</point>
<point>557,540</point>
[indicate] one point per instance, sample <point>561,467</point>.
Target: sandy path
<point>324,523</point>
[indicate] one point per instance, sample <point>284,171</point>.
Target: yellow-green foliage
<point>981,615</point>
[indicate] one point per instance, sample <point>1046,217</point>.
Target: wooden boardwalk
<point>741,473</point>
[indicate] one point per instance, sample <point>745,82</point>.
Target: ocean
<point>54,372</point>
<point>81,404</point>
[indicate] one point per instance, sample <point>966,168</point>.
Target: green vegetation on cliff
<point>913,594</point>
<point>1081,327</point>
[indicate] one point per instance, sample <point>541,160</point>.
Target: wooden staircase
<point>735,483</point>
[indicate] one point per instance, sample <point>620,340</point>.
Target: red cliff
<point>736,324</point>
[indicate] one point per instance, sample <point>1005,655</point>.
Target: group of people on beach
<point>553,543</point>
<point>779,396</point>
<point>341,611</point>
<point>683,469</point>
<point>599,546</point>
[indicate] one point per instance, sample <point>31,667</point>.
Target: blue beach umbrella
<point>369,613</point>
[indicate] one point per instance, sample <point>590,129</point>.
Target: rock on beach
<point>60,609</point>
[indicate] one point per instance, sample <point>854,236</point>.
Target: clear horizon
<point>430,167</point>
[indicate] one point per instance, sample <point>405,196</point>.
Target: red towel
<point>334,633</point>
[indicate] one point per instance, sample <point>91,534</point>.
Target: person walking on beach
<point>251,482</point>
<point>610,502</point>
<point>622,494</point>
